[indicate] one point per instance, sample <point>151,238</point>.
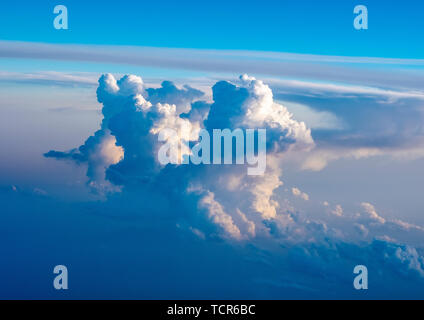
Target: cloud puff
<point>296,192</point>
<point>168,93</point>
<point>251,105</point>
<point>370,211</point>
<point>338,211</point>
<point>99,152</point>
<point>219,216</point>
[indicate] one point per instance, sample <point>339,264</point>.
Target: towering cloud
<point>123,153</point>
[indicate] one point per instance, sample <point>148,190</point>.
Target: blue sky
<point>318,27</point>
<point>80,184</point>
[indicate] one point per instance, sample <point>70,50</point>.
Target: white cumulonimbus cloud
<point>125,148</point>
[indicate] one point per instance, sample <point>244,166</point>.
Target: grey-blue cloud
<point>329,68</point>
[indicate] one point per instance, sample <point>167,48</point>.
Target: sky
<point>316,27</point>
<point>80,182</point>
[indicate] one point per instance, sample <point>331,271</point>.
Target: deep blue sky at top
<point>300,26</point>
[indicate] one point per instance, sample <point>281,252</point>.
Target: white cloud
<point>346,90</point>
<point>219,216</point>
<point>369,209</point>
<point>320,157</point>
<point>407,226</point>
<point>296,192</point>
<point>338,211</point>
